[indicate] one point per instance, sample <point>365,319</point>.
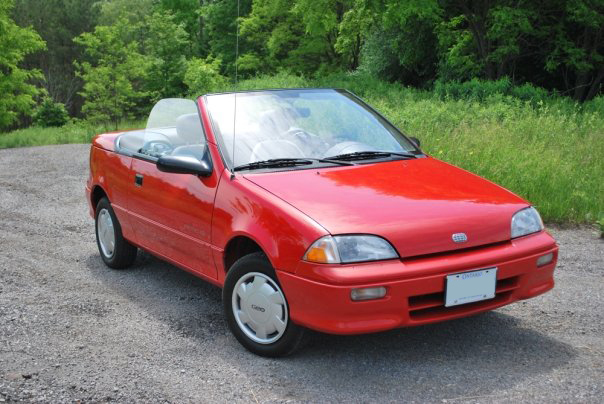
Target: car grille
<point>432,306</point>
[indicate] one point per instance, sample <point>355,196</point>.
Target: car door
<point>172,213</point>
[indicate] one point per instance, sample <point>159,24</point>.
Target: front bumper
<point>319,295</point>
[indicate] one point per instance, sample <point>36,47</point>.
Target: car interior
<point>156,142</point>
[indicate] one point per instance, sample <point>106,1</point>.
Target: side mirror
<point>187,160</point>
<point>415,140</point>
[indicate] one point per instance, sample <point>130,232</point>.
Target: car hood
<point>417,204</point>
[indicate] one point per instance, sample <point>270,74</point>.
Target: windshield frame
<point>389,126</point>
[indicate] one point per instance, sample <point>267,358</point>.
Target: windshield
<point>313,123</point>
<point>173,124</point>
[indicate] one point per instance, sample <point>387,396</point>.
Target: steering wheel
<point>301,135</point>
<point>157,147</point>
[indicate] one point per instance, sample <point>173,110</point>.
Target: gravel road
<point>73,330</point>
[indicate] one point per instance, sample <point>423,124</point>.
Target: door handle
<point>138,180</point>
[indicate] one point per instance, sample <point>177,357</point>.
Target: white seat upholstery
<point>275,122</point>
<point>188,129</point>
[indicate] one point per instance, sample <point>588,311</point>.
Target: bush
<point>481,90</point>
<point>51,113</point>
<point>202,76</point>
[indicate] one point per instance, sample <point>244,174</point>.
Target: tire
<point>115,250</point>
<point>262,324</point>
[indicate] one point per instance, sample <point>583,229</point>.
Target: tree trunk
<point>477,18</point>
<point>581,83</point>
<point>595,85</point>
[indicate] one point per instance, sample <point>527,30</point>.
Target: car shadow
<point>465,358</point>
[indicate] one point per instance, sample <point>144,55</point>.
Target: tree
<point>57,22</point>
<point>219,31</point>
<point>135,11</point>
<point>186,14</point>
<point>16,91</point>
<point>577,52</point>
<point>486,37</point>
<point>401,43</point>
<point>166,46</point>
<point>114,75</point>
<point>352,32</point>
<point>276,37</point>
<point>203,76</point>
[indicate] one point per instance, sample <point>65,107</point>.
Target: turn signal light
<point>368,293</point>
<point>317,254</point>
<point>545,259</point>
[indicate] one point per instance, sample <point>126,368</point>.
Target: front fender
<point>244,209</point>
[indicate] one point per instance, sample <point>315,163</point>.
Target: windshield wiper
<point>287,162</point>
<point>273,163</point>
<point>366,155</point>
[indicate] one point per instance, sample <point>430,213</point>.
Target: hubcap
<point>106,233</point>
<point>259,308</point>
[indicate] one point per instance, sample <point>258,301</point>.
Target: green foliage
<point>134,11</point>
<point>557,45</point>
<point>16,91</point>
<point>51,113</point>
<point>219,32</point>
<point>166,46</point>
<point>402,44</point>
<point>358,20</point>
<point>57,22</point>
<point>183,13</point>
<point>403,52</point>
<point>203,76</point>
<point>114,76</point>
<point>481,90</point>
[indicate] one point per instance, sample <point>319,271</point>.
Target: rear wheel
<point>115,250</point>
<point>257,310</point>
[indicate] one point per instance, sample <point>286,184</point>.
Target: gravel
<point>73,330</point>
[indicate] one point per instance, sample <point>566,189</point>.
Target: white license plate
<point>468,287</point>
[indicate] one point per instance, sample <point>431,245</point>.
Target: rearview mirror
<point>187,160</point>
<point>303,112</point>
<point>415,140</point>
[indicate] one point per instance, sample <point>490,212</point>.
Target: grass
<point>549,151</point>
<point>80,132</point>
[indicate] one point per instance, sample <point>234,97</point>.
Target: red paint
<point>415,204</point>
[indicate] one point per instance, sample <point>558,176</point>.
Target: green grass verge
<point>549,151</point>
<point>81,132</point>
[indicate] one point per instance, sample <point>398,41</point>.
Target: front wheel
<point>115,250</point>
<point>257,310</point>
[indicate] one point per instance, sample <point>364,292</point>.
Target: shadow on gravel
<point>470,357</point>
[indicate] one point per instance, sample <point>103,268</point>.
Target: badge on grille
<point>459,237</point>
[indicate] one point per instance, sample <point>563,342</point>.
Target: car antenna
<point>236,85</point>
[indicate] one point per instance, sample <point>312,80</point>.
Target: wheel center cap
<point>258,308</point>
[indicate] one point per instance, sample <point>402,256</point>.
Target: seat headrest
<point>188,129</point>
<point>275,121</point>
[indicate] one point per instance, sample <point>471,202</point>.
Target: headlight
<point>525,222</point>
<point>347,249</point>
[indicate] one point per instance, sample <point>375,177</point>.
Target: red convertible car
<point>311,210</point>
